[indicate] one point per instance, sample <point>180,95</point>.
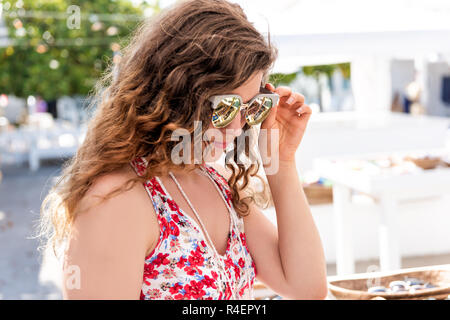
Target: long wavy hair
<point>171,66</point>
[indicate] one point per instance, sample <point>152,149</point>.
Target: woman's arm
<point>107,249</point>
<point>289,260</point>
<point>301,255</point>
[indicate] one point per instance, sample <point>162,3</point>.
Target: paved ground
<point>25,274</point>
<point>21,193</point>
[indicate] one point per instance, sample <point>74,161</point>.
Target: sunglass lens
<point>225,112</point>
<point>258,110</point>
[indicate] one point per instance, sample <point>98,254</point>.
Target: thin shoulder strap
<point>139,164</point>
<point>221,182</point>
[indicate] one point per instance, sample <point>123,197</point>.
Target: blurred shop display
<point>326,87</point>
<point>436,82</point>
<point>423,283</point>
<point>446,90</point>
<point>28,134</point>
<point>388,178</point>
<point>318,192</point>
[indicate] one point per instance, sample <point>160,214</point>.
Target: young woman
<point>137,224</point>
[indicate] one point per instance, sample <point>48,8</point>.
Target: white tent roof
<point>330,31</point>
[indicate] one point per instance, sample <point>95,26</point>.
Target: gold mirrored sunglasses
<point>226,107</point>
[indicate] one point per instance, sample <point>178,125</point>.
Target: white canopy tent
<point>346,28</point>
<point>366,33</point>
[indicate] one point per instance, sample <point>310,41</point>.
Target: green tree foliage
<point>278,79</point>
<point>51,56</point>
<point>287,78</point>
<point>327,69</point>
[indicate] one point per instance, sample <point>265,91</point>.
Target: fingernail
<point>290,100</point>
<point>299,110</point>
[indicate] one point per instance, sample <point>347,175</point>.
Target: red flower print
<point>190,271</point>
<point>227,292</point>
<point>150,272</point>
<point>244,242</point>
<point>237,271</point>
<point>173,229</point>
<point>209,282</point>
<point>202,247</point>
<point>181,262</point>
<point>241,292</point>
<point>164,228</point>
<point>168,273</point>
<point>229,263</point>
<point>173,205</point>
<point>157,186</point>
<point>195,289</point>
<point>161,259</point>
<point>175,288</point>
<point>181,297</point>
<point>175,218</point>
<point>150,187</point>
<point>196,259</point>
<point>174,244</point>
<point>154,293</point>
<point>174,269</point>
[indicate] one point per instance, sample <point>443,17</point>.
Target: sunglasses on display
<point>226,107</point>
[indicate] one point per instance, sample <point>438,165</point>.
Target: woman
<point>202,235</point>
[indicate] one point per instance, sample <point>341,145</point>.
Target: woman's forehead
<point>250,88</point>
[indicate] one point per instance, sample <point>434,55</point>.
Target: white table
<point>387,187</point>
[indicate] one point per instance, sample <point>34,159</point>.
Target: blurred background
<point>374,161</point>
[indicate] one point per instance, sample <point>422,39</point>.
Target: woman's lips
<point>222,145</point>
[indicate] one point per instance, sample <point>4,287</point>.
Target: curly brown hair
<point>171,66</point>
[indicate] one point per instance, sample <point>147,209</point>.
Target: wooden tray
<point>426,163</point>
<point>354,287</point>
<point>318,194</point>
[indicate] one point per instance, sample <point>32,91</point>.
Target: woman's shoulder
<point>106,183</point>
<point>126,215</point>
<point>106,201</point>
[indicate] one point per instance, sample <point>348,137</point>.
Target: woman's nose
<point>237,124</point>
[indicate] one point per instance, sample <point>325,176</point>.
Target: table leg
<point>390,258</point>
<point>345,263</point>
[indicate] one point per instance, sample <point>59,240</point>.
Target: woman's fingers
<point>303,109</point>
<point>295,100</point>
<point>270,87</point>
<point>283,92</point>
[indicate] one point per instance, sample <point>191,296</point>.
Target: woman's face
<point>226,135</point>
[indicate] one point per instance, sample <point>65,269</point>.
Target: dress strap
<point>155,190</point>
<point>221,182</point>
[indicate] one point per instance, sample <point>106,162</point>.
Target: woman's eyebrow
<point>252,97</point>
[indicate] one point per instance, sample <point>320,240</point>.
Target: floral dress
<point>182,266</point>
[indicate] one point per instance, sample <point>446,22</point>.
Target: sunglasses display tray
<point>356,286</point>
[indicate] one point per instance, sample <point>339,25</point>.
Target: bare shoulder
<point>105,184</point>
<point>111,239</point>
<point>125,215</point>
